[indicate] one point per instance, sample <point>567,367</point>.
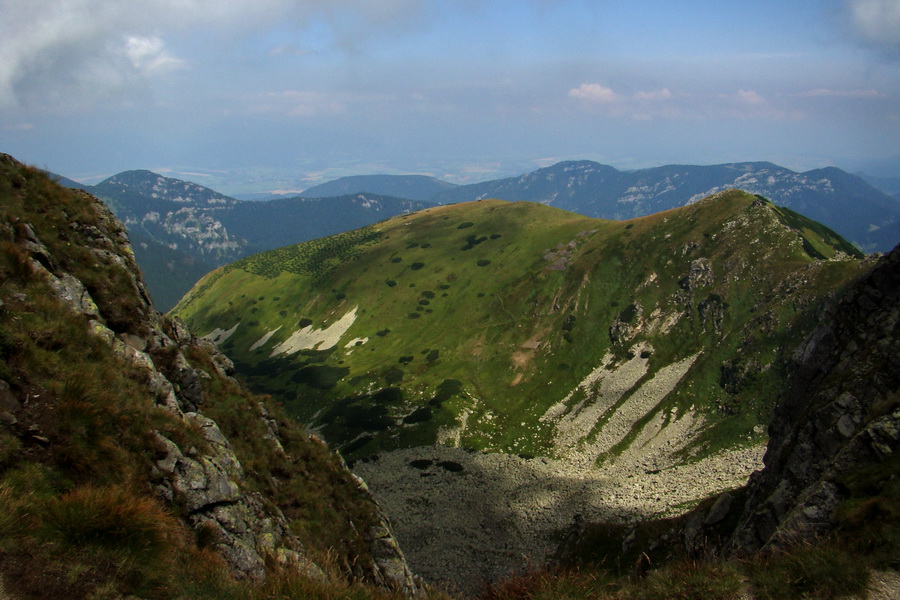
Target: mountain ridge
<point>515,341</point>
<point>183,229</point>
<point>419,251</point>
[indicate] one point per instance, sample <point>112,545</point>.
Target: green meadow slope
<point>525,329</point>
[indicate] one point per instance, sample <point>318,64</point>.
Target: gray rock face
<point>389,567</point>
<point>699,275</point>
<point>840,414</point>
<point>244,528</point>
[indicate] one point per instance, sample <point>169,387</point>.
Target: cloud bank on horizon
<point>467,89</point>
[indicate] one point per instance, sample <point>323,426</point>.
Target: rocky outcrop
<point>840,414</point>
<point>200,476</point>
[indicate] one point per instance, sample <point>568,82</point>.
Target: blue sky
<point>280,94</point>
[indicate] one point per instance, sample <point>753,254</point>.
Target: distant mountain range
<point>182,230</point>
<point>861,213</point>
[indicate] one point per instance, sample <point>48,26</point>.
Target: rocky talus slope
<point>468,519</point>
<point>822,512</point>
<point>194,468</point>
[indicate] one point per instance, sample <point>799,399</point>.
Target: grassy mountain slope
<point>522,328</point>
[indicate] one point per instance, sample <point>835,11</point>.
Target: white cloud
<point>594,92</point>
<point>149,56</point>
<point>654,95</point>
<point>73,50</point>
<point>876,22</point>
<point>750,97</point>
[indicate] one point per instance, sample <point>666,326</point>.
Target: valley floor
<point>465,518</point>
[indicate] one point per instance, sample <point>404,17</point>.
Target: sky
<point>263,95</point>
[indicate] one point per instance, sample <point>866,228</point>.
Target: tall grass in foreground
<point>824,571</point>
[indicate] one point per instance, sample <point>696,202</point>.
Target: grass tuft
<point>808,570</point>
<point>111,517</point>
<point>688,580</point>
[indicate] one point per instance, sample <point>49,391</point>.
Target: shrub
<point>419,415</point>
<point>416,266</point>
<point>394,375</point>
<point>320,377</point>
<point>628,315</point>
